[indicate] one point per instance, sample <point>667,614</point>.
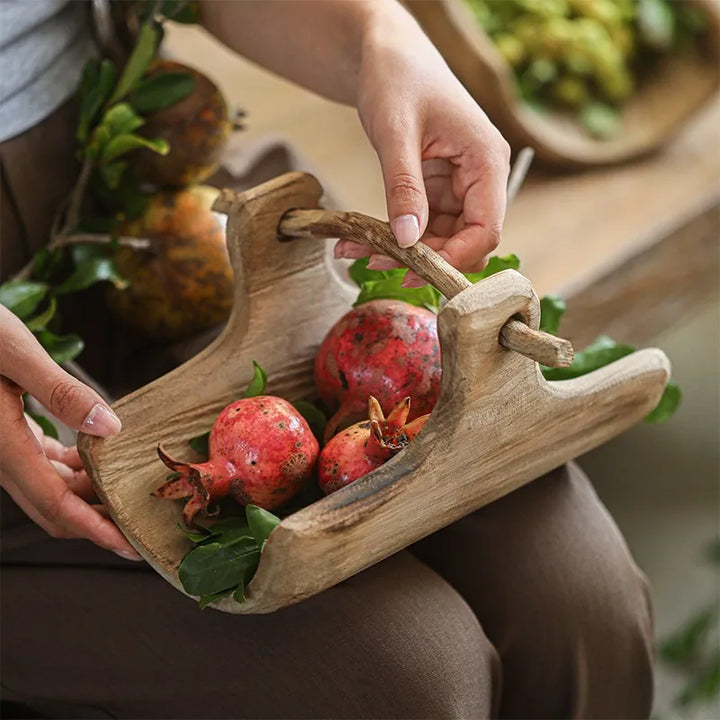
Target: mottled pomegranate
<point>385,348</point>
<point>183,284</point>
<point>261,451</point>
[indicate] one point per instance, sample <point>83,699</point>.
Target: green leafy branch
<point>693,650</point>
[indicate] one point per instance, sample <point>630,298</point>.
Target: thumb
<point>407,203</point>
<point>26,363</point>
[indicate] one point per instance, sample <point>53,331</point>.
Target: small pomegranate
<point>385,348</point>
<point>261,451</point>
<point>365,446</point>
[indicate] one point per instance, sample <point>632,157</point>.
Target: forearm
<point>317,43</point>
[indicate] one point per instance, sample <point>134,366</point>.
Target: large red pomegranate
<point>261,452</point>
<point>385,348</point>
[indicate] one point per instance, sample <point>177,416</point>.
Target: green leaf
<point>48,263</point>
<point>212,568</point>
<point>61,348</point>
<point>389,287</point>
<point>314,417</point>
<point>205,600</point>
<point>85,252</point>
<point>22,297</point>
<point>239,594</point>
<point>161,91</point>
<point>138,61</point>
<point>599,353</point>
<point>552,309</point>
<point>604,351</point>
<point>96,269</point>
<point>200,444</point>
<point>229,529</point>
<point>194,536</point>
<point>96,85</point>
<point>40,321</point>
<point>669,403</point>
<point>47,427</point>
<point>121,119</point>
<point>386,284</point>
<point>261,523</point>
<point>257,384</point>
<point>686,644</point>
<point>121,144</point>
<point>495,265</point>
<point>112,174</point>
<point>359,272</point>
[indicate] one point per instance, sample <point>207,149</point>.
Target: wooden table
<point>633,249</point>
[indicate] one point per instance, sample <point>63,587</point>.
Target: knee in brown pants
<point>551,580</point>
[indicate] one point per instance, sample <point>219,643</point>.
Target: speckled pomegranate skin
<point>352,453</point>
<point>270,447</point>
<point>261,451</point>
<point>385,348</point>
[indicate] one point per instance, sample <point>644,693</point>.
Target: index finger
<point>32,481</point>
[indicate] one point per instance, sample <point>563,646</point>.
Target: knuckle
<point>64,396</point>
<point>404,188</point>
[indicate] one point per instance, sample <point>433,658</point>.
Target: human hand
<point>445,166</point>
<point>42,476</point>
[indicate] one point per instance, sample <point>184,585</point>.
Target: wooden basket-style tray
<point>497,424</point>
<point>664,101</point>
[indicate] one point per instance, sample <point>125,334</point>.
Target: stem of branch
<point>62,240</point>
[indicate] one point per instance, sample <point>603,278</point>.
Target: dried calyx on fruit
<point>365,446</point>
<point>385,348</point>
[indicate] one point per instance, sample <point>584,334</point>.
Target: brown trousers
<point>529,608</point>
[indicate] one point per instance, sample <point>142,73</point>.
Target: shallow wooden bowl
<point>497,424</point>
<point>679,86</point>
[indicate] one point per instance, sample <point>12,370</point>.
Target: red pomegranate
<point>261,451</point>
<point>385,348</point>
<point>365,446</point>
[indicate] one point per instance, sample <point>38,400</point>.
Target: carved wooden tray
<point>497,424</point>
<point>679,86</point>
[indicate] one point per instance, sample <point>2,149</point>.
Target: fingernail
<point>410,282</point>
<point>128,555</point>
<point>381,262</point>
<point>101,421</point>
<point>406,230</point>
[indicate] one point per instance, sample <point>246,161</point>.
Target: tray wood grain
<point>497,424</point>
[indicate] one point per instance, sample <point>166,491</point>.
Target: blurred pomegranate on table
<point>183,284</point>
<point>196,128</point>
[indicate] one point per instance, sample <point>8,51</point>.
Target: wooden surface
<point>661,104</point>
<point>646,228</point>
<point>497,424</point>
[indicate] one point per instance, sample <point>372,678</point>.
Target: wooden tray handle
<point>429,265</point>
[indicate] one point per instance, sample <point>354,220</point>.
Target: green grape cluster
<point>584,54</point>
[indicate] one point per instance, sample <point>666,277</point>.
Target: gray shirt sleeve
<point>43,47</point>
